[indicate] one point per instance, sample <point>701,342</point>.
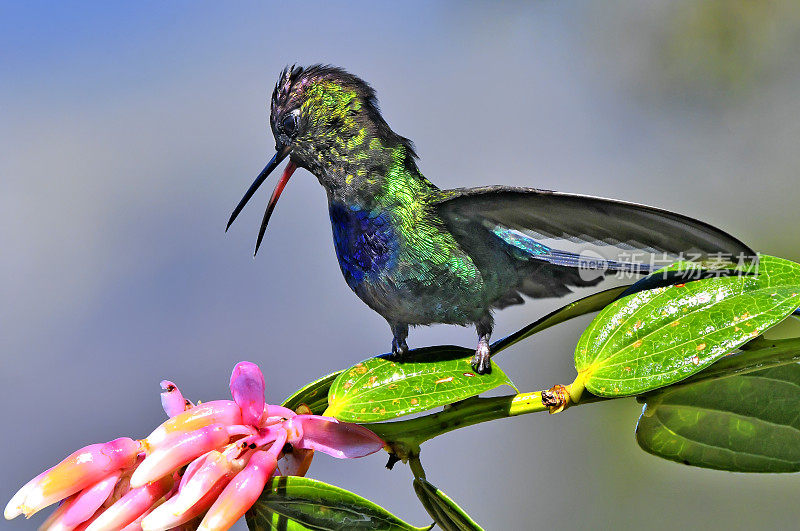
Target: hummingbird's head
<point>327,121</point>
<point>320,112</point>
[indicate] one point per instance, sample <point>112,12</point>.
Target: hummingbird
<point>421,255</point>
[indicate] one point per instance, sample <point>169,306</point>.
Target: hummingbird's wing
<point>585,219</point>
<point>540,224</point>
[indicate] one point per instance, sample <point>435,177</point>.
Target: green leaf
<point>379,389</point>
<point>743,423</point>
<point>592,303</point>
<point>314,395</point>
<point>658,337</point>
<point>444,511</point>
<point>754,355</point>
<point>294,503</point>
<point>682,272</point>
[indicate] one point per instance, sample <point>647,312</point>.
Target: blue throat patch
<point>365,242</point>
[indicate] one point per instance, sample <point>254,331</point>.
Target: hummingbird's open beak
<point>282,153</point>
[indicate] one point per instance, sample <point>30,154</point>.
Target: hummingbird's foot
<point>399,345</point>
<point>481,361</point>
<point>399,349</point>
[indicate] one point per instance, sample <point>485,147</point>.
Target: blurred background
<point>129,132</point>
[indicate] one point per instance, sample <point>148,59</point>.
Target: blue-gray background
<point>129,132</point>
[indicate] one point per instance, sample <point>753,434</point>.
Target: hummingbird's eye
<point>289,124</point>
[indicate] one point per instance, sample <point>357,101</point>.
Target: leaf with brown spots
<point>379,389</point>
<point>658,337</point>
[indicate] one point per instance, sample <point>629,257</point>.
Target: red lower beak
<point>276,194</point>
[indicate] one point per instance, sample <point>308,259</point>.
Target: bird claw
<point>399,349</point>
<point>481,361</point>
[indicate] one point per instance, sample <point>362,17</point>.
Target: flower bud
<point>131,506</point>
<point>15,504</point>
<point>81,469</point>
<point>192,467</point>
<point>136,525</point>
<point>52,523</point>
<point>89,522</point>
<point>216,467</point>
<point>172,400</point>
<point>202,415</point>
<point>81,506</point>
<point>166,517</point>
<point>247,387</point>
<point>240,494</point>
<point>199,492</point>
<point>179,450</point>
<point>276,413</point>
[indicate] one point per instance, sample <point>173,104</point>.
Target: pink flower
<point>172,400</point>
<point>209,461</point>
<point>247,387</point>
<point>84,468</point>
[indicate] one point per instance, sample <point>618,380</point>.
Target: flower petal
<point>247,387</point>
<point>172,400</point>
<point>179,450</point>
<point>131,506</point>
<point>215,468</point>
<point>53,522</point>
<point>83,505</point>
<point>241,493</point>
<point>328,435</point>
<point>201,490</point>
<point>215,412</point>
<point>88,522</point>
<point>192,467</point>
<point>136,525</point>
<point>16,503</point>
<point>271,410</point>
<point>165,517</point>
<point>81,469</point>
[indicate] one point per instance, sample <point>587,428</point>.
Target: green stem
<point>416,467</point>
<point>413,432</point>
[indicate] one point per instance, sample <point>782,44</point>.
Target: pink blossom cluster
<point>203,468</point>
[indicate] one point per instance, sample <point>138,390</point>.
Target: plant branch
<point>405,436</point>
<point>416,467</point>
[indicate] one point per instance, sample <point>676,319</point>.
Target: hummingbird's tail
<point>590,262</point>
